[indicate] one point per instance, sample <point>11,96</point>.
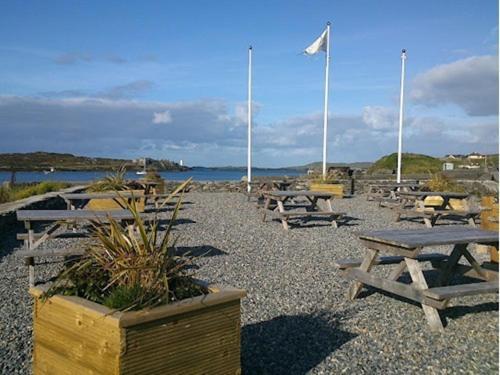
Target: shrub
<point>440,182</point>
<point>131,269</point>
<point>114,181</point>
<point>25,191</point>
<point>5,194</point>
<point>37,189</point>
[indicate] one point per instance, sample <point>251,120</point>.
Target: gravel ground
<point>296,318</point>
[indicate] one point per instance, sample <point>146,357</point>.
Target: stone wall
<point>480,187</point>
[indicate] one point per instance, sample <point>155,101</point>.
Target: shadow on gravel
<point>291,345</point>
<point>165,222</point>
<point>8,241</point>
<point>199,251</point>
<point>431,276</point>
<point>456,312</point>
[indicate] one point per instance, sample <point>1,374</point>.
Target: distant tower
<point>181,163</point>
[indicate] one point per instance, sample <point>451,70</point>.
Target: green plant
<point>5,194</point>
<point>113,181</point>
<point>37,189</point>
<point>153,175</point>
<point>440,182</point>
<point>131,268</point>
<point>8,194</point>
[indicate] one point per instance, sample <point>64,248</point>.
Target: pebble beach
<point>296,318</point>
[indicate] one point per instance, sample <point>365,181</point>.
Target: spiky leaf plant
<point>131,267</point>
<point>113,181</point>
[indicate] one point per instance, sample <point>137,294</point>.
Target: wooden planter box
<point>112,204</point>
<point>489,221</point>
<point>197,335</point>
<point>336,189</point>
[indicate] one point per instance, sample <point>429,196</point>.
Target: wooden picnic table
<point>413,205</point>
<point>390,190</point>
<point>406,248</point>
<point>263,186</point>
<point>281,185</point>
<point>59,218</point>
<point>150,187</point>
<point>275,205</point>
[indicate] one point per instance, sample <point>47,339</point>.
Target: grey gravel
<point>296,318</point>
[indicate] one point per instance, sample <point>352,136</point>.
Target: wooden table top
<point>413,238</point>
<point>299,193</point>
<point>55,215</point>
<point>395,185</point>
<point>106,195</point>
<point>447,194</point>
<point>111,195</point>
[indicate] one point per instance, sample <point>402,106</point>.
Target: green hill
<point>36,161</point>
<point>411,164</point>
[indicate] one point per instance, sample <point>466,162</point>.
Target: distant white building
<point>448,166</point>
<point>476,156</point>
<point>181,163</point>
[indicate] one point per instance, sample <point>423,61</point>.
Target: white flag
<point>318,45</point>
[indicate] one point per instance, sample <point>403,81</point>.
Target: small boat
<point>51,170</point>
<point>143,172</point>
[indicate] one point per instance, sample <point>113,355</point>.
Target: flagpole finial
<point>250,47</point>
<point>403,53</point>
<point>328,23</point>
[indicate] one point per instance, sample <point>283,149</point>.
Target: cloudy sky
<point>168,79</point>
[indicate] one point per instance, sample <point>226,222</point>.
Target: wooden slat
<point>391,286</point>
<point>73,215</point>
<point>24,236</point>
<point>49,252</point>
<point>461,290</point>
<point>443,194</point>
<point>298,193</point>
<point>412,238</point>
<point>351,263</point>
<point>311,213</point>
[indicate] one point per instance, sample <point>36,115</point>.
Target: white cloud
<point>203,132</point>
<point>470,83</point>
<point>162,117</point>
<point>377,117</point>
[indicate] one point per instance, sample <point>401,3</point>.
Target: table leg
<point>396,272</point>
<point>266,207</point>
<point>30,262</point>
<point>281,209</point>
<point>471,221</point>
<point>452,261</point>
<point>366,266</point>
<point>431,313</point>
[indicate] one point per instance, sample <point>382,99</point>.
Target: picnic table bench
<point>389,190</point>
<point>275,205</point>
<point>413,205</point>
<point>59,218</point>
<point>406,248</point>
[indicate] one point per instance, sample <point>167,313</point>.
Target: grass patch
<point>24,191</point>
<point>410,164</point>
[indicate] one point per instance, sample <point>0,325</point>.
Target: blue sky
<point>168,80</point>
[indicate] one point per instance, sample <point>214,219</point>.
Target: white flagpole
<point>249,156</point>
<point>401,102</point>
<point>325,115</point>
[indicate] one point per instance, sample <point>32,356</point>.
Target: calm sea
<point>198,174</point>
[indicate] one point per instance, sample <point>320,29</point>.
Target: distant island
<point>39,161</point>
